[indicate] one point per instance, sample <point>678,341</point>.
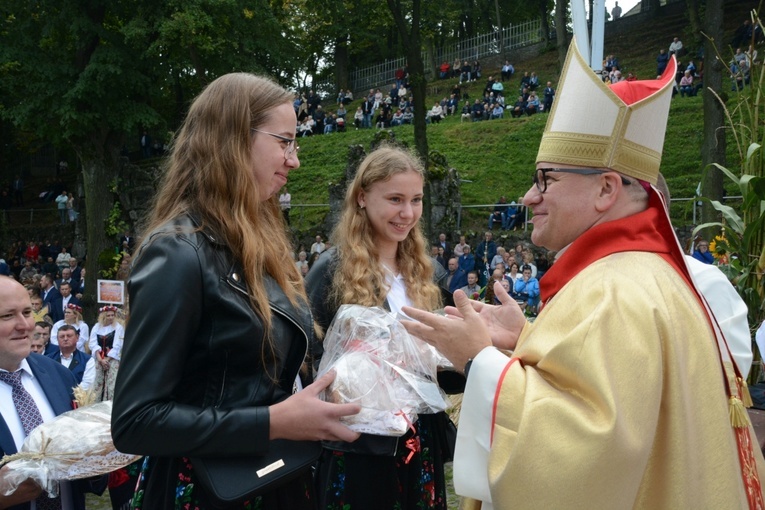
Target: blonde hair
<point>359,278</point>
<point>209,173</point>
<point>77,316</point>
<point>102,318</point>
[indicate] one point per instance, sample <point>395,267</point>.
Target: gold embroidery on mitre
<point>574,149</point>
<point>637,161</point>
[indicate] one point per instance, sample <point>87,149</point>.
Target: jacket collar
<point>278,301</point>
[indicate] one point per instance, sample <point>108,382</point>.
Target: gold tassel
<point>738,415</point>
<point>745,396</point>
<point>470,504</point>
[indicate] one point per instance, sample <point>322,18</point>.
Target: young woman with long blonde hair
<point>379,258</point>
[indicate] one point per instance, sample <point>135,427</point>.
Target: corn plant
<point>743,231</point>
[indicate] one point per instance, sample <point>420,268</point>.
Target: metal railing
<point>490,208</point>
<point>697,204</point>
<point>514,36</point>
<point>696,209</point>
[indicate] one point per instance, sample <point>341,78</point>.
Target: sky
<point>626,5</point>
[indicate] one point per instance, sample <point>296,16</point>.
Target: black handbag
<point>234,480</point>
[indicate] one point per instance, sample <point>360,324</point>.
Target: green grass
<point>497,157</point>
<point>492,157</point>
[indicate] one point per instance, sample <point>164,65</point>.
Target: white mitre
<point>620,127</point>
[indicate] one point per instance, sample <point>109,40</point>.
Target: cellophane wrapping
<point>379,366</point>
<point>77,444</point>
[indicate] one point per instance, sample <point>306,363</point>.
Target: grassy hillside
<point>497,157</point>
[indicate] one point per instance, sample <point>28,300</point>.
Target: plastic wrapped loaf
<point>379,366</point>
<point>77,444</point>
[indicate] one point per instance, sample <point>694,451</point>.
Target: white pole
<point>579,18</point>
<point>598,29</point>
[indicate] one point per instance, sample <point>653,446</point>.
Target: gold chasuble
<point>615,397</point>
<point>621,395</point>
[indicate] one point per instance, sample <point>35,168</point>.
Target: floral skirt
<point>103,386</point>
<point>294,495</point>
<point>413,479</point>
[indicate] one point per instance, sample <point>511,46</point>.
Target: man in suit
<point>67,277</point>
<point>46,387</point>
<point>75,273</point>
<point>81,286</point>
<point>127,242</point>
<point>57,306</point>
<point>48,290</point>
<point>82,365</point>
<point>443,243</point>
<point>456,278</point>
<point>42,331</point>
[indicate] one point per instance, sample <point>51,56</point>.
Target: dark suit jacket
<point>77,366</point>
<point>459,280</point>
<point>56,307</point>
<point>57,383</point>
<point>51,349</point>
<point>52,294</point>
<point>75,283</point>
<point>130,241</point>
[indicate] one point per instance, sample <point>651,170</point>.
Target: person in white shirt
<point>302,260</point>
<point>436,113</point>
<point>105,344</point>
<point>285,203</point>
<point>318,246</point>
<point>675,46</point>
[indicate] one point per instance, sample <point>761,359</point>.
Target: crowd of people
<point>53,190</point>
<point>488,261</point>
<point>53,283</point>
<point>396,107</point>
<point>689,78</point>
<point>213,363</point>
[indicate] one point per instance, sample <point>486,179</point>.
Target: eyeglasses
<point>292,146</point>
<point>540,175</point>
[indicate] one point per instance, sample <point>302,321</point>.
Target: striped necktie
<point>30,417</point>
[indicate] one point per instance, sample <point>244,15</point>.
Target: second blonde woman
<point>379,258</point>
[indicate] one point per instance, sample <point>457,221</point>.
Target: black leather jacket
<point>192,381</point>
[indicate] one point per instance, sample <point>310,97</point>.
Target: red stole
<point>648,231</point>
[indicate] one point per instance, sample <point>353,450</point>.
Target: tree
<point>341,34</point>
<point>561,31</point>
<point>714,144</point>
<point>91,74</point>
<point>408,23</point>
<point>694,20</point>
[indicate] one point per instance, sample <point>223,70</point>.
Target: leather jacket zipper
<point>281,313</point>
